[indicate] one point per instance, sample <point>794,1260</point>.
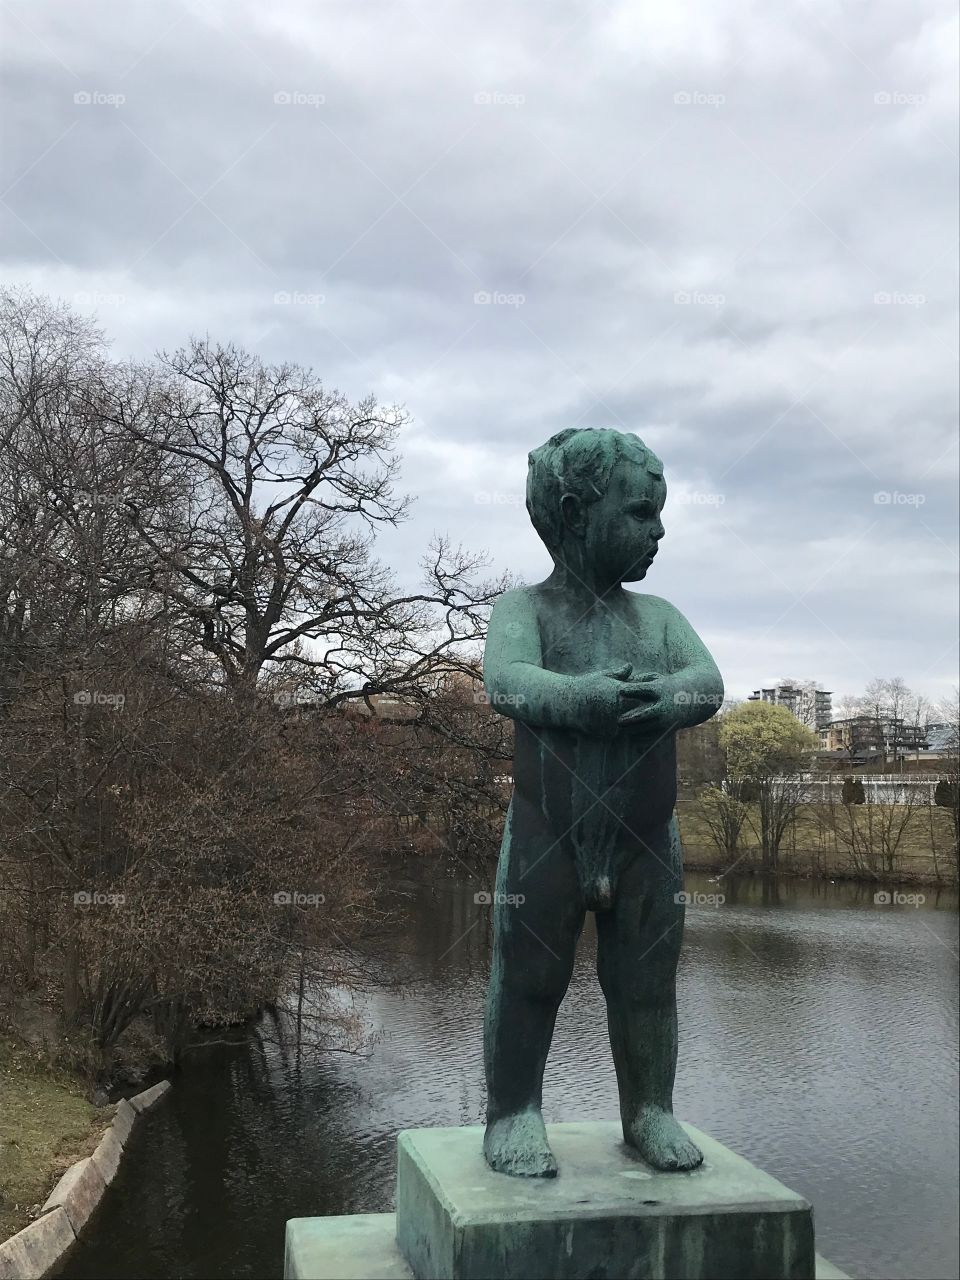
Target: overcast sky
<point>730,227</point>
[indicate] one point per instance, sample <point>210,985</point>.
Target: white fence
<point>878,788</point>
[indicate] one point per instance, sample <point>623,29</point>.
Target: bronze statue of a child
<point>598,680</point>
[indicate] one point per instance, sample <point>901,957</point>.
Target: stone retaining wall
<point>39,1249</point>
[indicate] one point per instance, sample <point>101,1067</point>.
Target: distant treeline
<point>754,799</point>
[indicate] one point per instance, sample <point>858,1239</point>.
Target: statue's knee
<point>644,982</point>
<point>649,997</point>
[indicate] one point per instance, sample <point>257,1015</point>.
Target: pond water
<point>818,1038</point>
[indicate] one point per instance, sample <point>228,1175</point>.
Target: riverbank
<point>887,845</point>
<point>41,1247</point>
<point>46,1124</point>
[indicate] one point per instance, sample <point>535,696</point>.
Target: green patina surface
<point>360,1246</point>
<point>322,1249</point>
<point>608,1214</point>
<point>598,680</point>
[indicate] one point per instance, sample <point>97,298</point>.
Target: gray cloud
<point>731,229</point>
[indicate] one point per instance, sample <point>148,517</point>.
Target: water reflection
<point>819,1038</point>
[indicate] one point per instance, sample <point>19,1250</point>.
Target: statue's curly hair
<point>578,460</point>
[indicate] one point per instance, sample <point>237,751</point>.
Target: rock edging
<point>39,1249</point>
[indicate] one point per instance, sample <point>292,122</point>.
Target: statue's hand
<point>607,693</point>
<point>648,703</point>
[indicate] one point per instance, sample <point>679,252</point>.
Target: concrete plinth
<point>607,1216</point>
<point>359,1246</point>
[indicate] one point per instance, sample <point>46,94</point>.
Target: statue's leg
<point>638,947</point>
<point>538,915</point>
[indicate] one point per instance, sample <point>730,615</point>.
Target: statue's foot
<point>662,1141</point>
<point>517,1144</point>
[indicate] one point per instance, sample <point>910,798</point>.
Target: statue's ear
<point>573,513</point>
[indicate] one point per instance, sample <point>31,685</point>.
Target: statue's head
<point>595,498</point>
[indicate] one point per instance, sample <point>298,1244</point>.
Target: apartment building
<point>812,706</point>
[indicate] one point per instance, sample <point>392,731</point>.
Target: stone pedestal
<point>606,1216</point>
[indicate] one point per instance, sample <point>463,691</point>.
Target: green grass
<point>46,1123</point>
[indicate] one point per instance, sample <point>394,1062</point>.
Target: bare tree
<point>274,566</point>
<point>884,704</point>
<point>874,836</point>
<point>917,712</point>
<point>175,539</point>
<point>724,813</point>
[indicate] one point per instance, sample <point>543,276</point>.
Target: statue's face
<point>623,528</point>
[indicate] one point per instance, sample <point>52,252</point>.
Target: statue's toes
<point>684,1155</point>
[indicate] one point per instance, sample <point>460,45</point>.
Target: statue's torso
<point>598,795</point>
